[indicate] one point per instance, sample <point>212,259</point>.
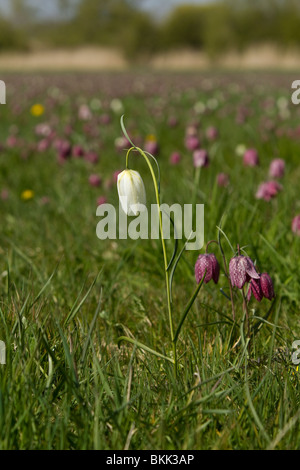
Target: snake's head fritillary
<point>241,270</point>
<point>209,263</point>
<point>267,286</point>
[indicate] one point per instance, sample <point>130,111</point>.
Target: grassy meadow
<point>66,296</point>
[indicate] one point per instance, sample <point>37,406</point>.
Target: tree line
<point>214,28</point>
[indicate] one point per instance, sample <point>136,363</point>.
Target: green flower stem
<point>166,264</point>
<point>196,184</point>
<point>245,308</point>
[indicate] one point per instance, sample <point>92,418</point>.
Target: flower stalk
<point>165,258</point>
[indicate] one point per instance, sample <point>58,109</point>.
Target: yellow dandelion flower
<point>27,195</point>
<point>37,110</point>
<point>151,138</point>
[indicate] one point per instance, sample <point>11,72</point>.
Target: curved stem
<point>208,243</point>
<point>127,156</point>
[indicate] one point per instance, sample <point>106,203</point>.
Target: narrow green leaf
<point>176,263</point>
<point>125,132</point>
<point>144,347</point>
<point>224,234</point>
<point>188,307</point>
<point>92,326</point>
<point>75,307</point>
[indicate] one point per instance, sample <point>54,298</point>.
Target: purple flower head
<point>43,130</point>
<point>91,157</point>
<point>200,158</point>
<point>207,262</point>
<point>212,133</point>
<point>266,285</point>
<point>222,179</point>
<point>4,195</point>
<point>251,158</point>
<point>105,119</point>
<point>255,289</point>
<point>268,190</point>
<point>84,112</point>
<point>277,168</point>
<point>296,225</point>
<point>77,151</point>
<point>192,142</point>
<point>95,180</point>
<point>115,175</point>
<point>175,158</point>
<point>12,141</point>
<point>43,145</point>
<point>64,149</point>
<point>151,146</point>
<point>241,270</point>
<point>172,121</point>
<point>101,200</point>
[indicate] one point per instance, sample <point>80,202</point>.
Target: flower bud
<point>131,192</point>
<point>207,262</point>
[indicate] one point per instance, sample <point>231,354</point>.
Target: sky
<point>164,6</point>
<point>49,8</point>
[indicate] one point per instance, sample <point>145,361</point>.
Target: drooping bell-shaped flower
<point>200,158</point>
<point>209,263</point>
<point>262,287</point>
<point>255,289</point>
<point>251,157</point>
<point>131,192</point>
<point>95,180</point>
<point>296,225</point>
<point>222,179</point>
<point>175,158</point>
<point>268,190</point>
<point>151,145</point>
<point>241,270</point>
<point>266,285</point>
<point>277,168</point>
<point>192,142</point>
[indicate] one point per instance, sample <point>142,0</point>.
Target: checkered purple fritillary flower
<point>255,289</point>
<point>200,158</point>
<point>277,168</point>
<point>262,287</point>
<point>266,285</point>
<point>251,158</point>
<point>296,225</point>
<point>209,263</point>
<point>241,270</point>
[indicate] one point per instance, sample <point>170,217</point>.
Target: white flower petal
<point>131,192</point>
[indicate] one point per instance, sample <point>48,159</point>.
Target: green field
<point>66,296</point>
